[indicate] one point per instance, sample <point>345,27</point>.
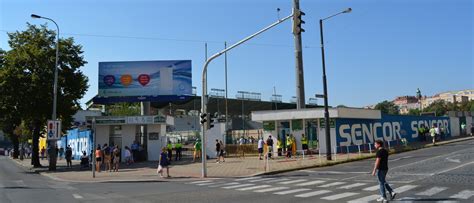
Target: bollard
<point>370,148</point>
<point>319,156</point>
<point>347,151</point>
<point>358,146</point>
<point>388,145</point>
<point>335,153</point>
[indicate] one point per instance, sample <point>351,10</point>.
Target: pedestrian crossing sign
<point>54,130</point>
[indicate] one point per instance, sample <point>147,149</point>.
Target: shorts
<point>305,146</point>
<point>260,150</point>
<point>98,159</point>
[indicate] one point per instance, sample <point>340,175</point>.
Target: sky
<point>382,49</point>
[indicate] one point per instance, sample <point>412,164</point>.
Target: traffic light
<point>297,21</point>
<point>203,118</point>
<point>211,122</point>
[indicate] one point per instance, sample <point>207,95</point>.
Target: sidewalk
<point>232,167</point>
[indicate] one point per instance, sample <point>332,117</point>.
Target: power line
<point>170,39</point>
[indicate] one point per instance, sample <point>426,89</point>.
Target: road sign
<point>54,130</point>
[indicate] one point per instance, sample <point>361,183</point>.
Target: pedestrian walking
<point>289,146</point>
<point>197,150</point>
<point>116,160</point>
<point>381,169</point>
<point>260,147</point>
<point>178,148</point>
<point>433,134</point>
<point>61,153</point>
<point>218,150</point>
<point>43,150</point>
<point>304,144</point>
<point>221,154</point>
<point>269,146</point>
<point>279,147</point>
<point>135,146</point>
<point>98,158</point>
<point>128,156</point>
<point>107,158</point>
<point>164,163</point>
<point>68,156</point>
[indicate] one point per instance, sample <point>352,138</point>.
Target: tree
<point>440,107</point>
<point>26,80</point>
<point>387,107</point>
<point>414,112</point>
<point>124,109</point>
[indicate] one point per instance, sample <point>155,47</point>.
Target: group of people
<point>110,156</point>
<point>436,132</point>
<point>219,151</point>
<point>178,148</point>
<point>290,146</point>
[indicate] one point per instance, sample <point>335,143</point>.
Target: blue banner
<point>350,132</point>
<point>145,78</point>
<point>79,141</point>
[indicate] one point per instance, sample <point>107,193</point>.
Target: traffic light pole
<point>204,85</point>
<point>94,160</point>
<point>300,103</point>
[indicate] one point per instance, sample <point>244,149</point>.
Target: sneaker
<point>381,199</point>
<point>392,195</point>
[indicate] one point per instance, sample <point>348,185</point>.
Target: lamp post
<point>52,160</point>
<point>326,111</point>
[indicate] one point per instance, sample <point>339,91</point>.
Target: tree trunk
<point>16,145</point>
<point>35,151</point>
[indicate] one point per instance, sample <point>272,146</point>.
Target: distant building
<point>405,103</point>
<point>451,96</point>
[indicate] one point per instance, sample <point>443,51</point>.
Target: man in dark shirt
<point>381,169</point>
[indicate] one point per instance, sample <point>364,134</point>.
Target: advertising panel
<point>145,78</point>
<point>350,132</point>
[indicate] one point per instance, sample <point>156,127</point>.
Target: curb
<point>363,158</point>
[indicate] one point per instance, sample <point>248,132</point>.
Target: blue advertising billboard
<point>145,78</point>
<point>350,132</point>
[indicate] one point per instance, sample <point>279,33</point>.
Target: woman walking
<point>164,162</point>
<point>98,158</point>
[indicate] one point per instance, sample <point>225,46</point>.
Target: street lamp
<point>326,111</point>
<point>52,160</point>
<point>55,87</point>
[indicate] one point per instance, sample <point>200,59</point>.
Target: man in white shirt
<point>260,148</point>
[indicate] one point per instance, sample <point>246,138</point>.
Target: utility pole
<point>297,13</point>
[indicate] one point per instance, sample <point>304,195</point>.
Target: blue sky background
<point>381,50</point>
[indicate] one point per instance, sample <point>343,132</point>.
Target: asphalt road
<point>438,174</point>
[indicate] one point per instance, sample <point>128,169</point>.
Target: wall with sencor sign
<point>351,132</point>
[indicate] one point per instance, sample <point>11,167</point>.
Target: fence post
<point>347,151</point>
<point>358,146</point>
<point>370,148</point>
<point>388,144</point>
<point>319,156</point>
<point>335,153</point>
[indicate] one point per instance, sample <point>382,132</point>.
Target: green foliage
<point>414,112</point>
<point>124,109</point>
<point>387,107</point>
<point>27,76</point>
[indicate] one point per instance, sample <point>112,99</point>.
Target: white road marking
<point>271,189</point>
<point>254,187</point>
<point>201,181</point>
<point>291,191</point>
<point>453,160</point>
<point>465,194</point>
<point>373,188</point>
<point>314,193</point>
<point>209,183</point>
<point>337,172</point>
<point>454,168</point>
<point>332,184</point>
<point>261,179</point>
<point>226,184</point>
<point>77,196</point>
<point>249,178</point>
<point>353,185</point>
<point>365,199</point>
<point>237,186</point>
<point>311,183</point>
<point>432,191</point>
<point>405,188</point>
<point>272,181</point>
<point>292,181</point>
<point>20,183</point>
<point>340,196</point>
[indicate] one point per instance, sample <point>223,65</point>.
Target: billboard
<point>145,78</point>
<point>389,128</point>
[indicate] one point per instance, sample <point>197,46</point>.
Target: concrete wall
<point>102,133</point>
<point>217,132</point>
<point>454,122</point>
<point>154,146</point>
<point>128,136</point>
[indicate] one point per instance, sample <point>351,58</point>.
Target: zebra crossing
<point>333,190</point>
